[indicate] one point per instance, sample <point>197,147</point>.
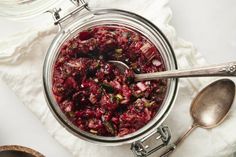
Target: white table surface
<point>209,25</point>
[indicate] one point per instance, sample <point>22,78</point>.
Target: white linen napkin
<point>21,60</point>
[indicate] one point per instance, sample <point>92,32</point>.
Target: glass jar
<point>129,20</point>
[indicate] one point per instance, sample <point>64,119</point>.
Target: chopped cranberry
<point>108,103</point>
<point>70,83</point>
<point>66,106</point>
<point>123,131</point>
<point>94,94</point>
<point>85,35</point>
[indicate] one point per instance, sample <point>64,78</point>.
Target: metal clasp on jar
<point>58,20</point>
<point>163,136</point>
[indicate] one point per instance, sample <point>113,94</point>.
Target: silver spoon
<point>227,69</point>
<point>209,108</point>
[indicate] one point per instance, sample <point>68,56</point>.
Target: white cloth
<point>21,60</point>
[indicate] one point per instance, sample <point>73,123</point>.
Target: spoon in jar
<point>226,69</point>
<point>209,108</point>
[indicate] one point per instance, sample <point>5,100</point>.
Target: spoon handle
<point>226,69</point>
<point>180,139</point>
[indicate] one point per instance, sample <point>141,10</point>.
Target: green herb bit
<point>119,96</point>
<point>118,50</point>
<point>109,127</point>
<point>129,34</point>
<point>118,56</point>
<point>71,114</point>
<point>129,80</point>
<point>108,88</point>
<point>137,95</point>
<point>150,104</point>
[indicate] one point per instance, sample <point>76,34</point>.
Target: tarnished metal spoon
<point>226,69</point>
<point>209,108</point>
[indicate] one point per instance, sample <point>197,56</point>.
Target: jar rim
<point>50,58</point>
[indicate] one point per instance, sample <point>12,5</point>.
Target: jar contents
<point>94,95</point>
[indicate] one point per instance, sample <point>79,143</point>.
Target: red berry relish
<point>94,94</point>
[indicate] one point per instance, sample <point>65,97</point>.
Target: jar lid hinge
<point>80,5</point>
<point>163,137</point>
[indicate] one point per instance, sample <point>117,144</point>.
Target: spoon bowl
<point>120,65</point>
<point>213,103</point>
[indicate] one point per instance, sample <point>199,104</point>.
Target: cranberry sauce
<point>94,94</point>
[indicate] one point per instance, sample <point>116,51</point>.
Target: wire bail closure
<point>141,150</point>
<point>80,5</point>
